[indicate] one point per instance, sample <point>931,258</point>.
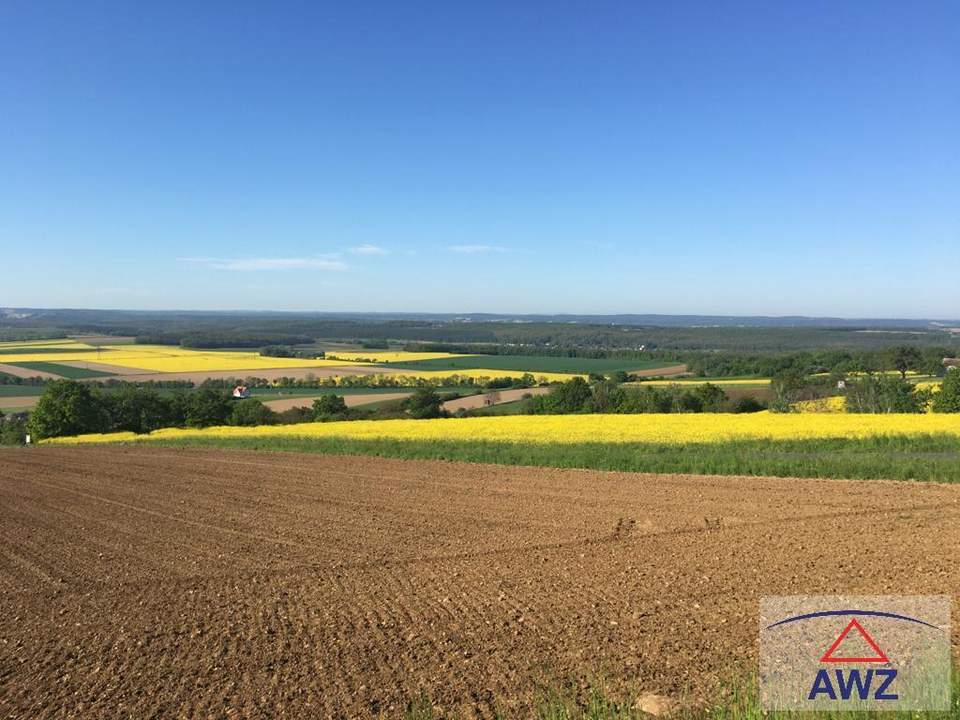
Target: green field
<point>66,371</point>
<point>932,457</point>
<point>20,390</point>
<point>508,408</point>
<point>531,363</point>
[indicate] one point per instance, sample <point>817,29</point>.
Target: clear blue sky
<point>704,157</point>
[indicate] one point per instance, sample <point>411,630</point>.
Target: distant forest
<point>504,335</point>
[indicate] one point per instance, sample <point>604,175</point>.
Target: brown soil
<point>350,400</point>
<point>162,583</point>
<point>479,401</point>
<point>18,402</point>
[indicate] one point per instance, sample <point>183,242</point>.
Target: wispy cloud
<point>319,262</point>
<point>368,249</point>
<point>477,249</point>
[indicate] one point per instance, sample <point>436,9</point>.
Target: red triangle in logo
<point>880,657</point>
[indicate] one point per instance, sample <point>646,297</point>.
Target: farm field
<point>60,370</point>
<point>480,400</point>
<point>350,399</point>
<point>20,390</point>
<point>155,358</point>
<point>906,447</point>
<point>471,585</point>
<point>523,363</point>
<point>161,362</point>
<point>610,429</point>
<point>14,371</point>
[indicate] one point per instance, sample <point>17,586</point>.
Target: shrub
<point>948,399</point>
<point>329,406</point>
<point>423,404</point>
<point>295,415</point>
<point>747,404</point>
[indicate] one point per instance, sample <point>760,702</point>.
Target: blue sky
<point>703,157</point>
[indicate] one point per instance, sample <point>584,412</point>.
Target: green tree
<point>687,401</point>
<point>137,409</point>
<point>424,403</point>
<point>785,388</point>
<point>66,407</point>
<point>572,396</point>
<point>948,399</point>
<point>251,412</point>
<point>208,406</point>
<point>712,397</point>
<point>329,406</point>
<point>607,397</point>
<point>883,394</point>
<point>904,358</point>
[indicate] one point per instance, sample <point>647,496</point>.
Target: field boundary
<point>931,458</point>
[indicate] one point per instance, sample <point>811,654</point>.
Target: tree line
<point>579,396</point>
<point>70,408</point>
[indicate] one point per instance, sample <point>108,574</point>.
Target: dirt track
<point>661,372</point>
<point>7,402</point>
<point>478,401</point>
<point>350,400</point>
<point>146,582</point>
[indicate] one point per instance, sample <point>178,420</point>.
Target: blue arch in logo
<point>833,613</point>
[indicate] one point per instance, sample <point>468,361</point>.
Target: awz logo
<point>850,682</point>
<point>845,684</point>
<point>855,652</point>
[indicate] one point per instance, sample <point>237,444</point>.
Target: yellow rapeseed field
<point>162,358</point>
<point>684,428</point>
<point>388,356</point>
<point>167,358</point>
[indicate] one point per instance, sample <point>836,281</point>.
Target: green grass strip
<point>932,457</point>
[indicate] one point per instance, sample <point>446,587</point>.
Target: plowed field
<point>159,583</point>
